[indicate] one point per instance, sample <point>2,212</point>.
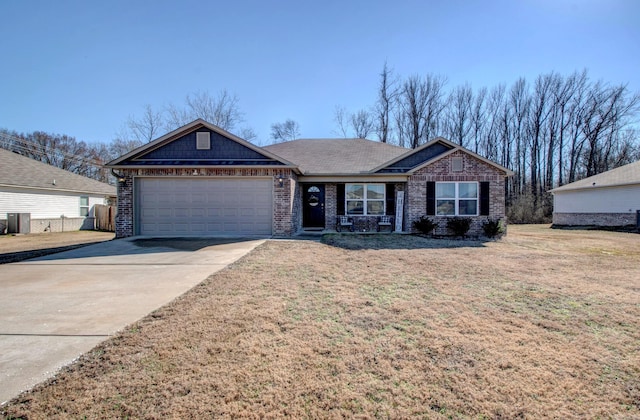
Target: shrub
<point>424,225</point>
<point>459,225</point>
<point>525,208</point>
<point>492,228</point>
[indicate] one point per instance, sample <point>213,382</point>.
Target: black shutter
<point>484,199</point>
<point>340,199</point>
<point>431,198</point>
<point>391,199</point>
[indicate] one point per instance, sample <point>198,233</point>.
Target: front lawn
<point>543,323</point>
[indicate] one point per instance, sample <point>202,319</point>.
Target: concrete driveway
<point>55,308</point>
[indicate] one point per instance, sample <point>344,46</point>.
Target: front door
<point>313,206</point>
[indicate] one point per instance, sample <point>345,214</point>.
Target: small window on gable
<point>456,164</point>
<point>203,140</point>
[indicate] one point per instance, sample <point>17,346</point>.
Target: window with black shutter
<point>431,198</point>
<point>485,201</point>
<point>391,199</point>
<point>340,199</point>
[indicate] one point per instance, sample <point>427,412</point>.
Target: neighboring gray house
<point>611,198</point>
<point>55,199</point>
<point>201,180</point>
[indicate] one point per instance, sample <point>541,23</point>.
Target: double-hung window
<point>84,206</point>
<point>365,199</point>
<point>456,198</point>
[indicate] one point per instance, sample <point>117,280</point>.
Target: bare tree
<point>147,127</point>
<point>58,150</point>
<point>539,112</point>
<point>519,103</point>
<point>248,134</point>
<point>458,115</point>
<point>478,118</point>
<point>421,99</point>
<point>362,123</point>
<point>493,109</point>
<point>285,131</point>
<point>222,110</point>
<point>121,146</point>
<point>341,118</point>
<point>400,119</point>
<point>387,96</point>
<point>413,102</point>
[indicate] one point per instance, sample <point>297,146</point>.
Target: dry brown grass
<point>33,241</point>
<point>543,323</point>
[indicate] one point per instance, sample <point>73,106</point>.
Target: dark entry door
<point>313,206</point>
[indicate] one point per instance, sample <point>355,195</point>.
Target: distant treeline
<point>552,131</point>
<point>555,130</point>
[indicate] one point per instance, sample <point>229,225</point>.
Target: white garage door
<point>197,207</point>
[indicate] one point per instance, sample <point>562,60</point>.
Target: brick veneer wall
<point>283,219</point>
<point>473,170</point>
<point>284,214</point>
<point>330,206</point>
<point>124,212</point>
<point>361,223</point>
<point>595,219</point>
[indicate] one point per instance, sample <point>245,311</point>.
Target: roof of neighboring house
<point>624,175</point>
<point>336,156</point>
<point>23,172</point>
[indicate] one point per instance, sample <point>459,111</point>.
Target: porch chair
<point>385,221</point>
<point>344,222</point>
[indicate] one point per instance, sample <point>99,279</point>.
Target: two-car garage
<point>167,206</point>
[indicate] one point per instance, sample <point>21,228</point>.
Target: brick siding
<point>284,221</point>
<point>595,219</point>
<point>473,170</point>
<point>330,206</point>
<point>287,200</point>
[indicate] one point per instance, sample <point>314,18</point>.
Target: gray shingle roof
<point>21,171</point>
<point>336,156</point>
<point>624,175</point>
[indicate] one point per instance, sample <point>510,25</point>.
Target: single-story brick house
<point>610,199</point>
<point>55,200</point>
<point>200,180</point>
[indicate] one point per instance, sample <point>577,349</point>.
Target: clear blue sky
<point>83,67</point>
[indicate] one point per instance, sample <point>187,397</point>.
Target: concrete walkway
<point>55,308</point>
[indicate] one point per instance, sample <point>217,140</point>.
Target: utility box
<point>18,222</point>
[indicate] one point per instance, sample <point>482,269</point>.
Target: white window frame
<point>87,206</point>
<point>457,199</point>
<point>365,200</point>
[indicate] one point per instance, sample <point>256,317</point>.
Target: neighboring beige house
<point>54,199</point>
<point>200,180</point>
<point>610,199</point>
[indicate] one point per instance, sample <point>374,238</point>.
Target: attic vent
<point>203,140</point>
<point>456,164</point>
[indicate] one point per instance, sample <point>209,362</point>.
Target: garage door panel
<point>214,213</point>
<point>247,212</point>
<point>174,206</point>
<point>263,213</point>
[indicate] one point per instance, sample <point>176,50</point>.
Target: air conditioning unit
<point>18,222</point>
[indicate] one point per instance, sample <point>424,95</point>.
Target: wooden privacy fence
<point>105,217</point>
